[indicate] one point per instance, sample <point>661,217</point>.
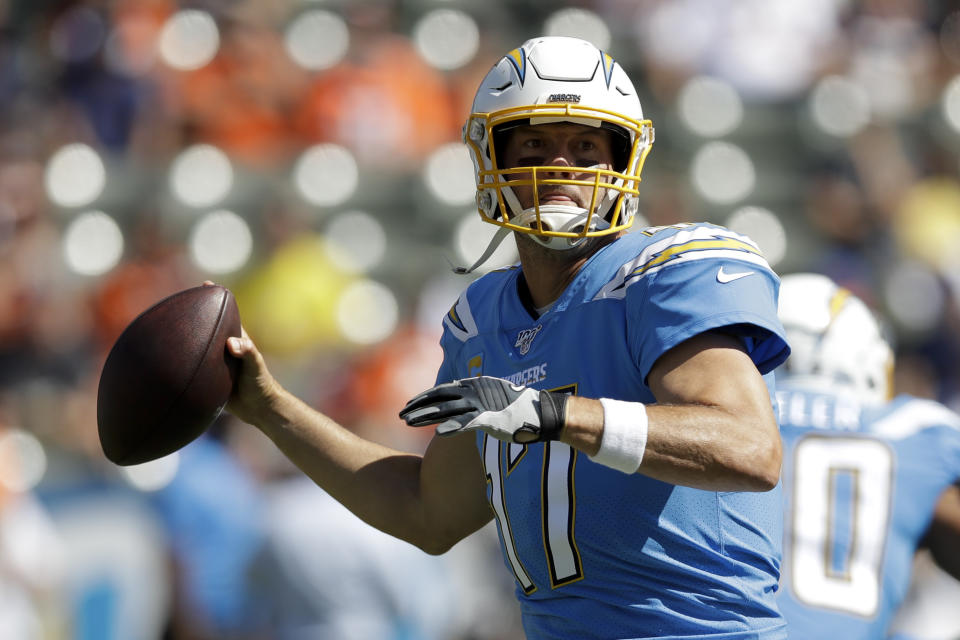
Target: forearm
<point>697,446</point>
<point>378,484</point>
<point>432,501</point>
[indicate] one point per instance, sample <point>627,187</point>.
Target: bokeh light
<point>723,173</point>
<point>153,475</point>
<point>356,241</point>
<point>367,312</point>
<point>189,40</point>
<point>657,31</point>
<point>763,227</point>
<point>839,107</point>
<point>914,296</point>
<point>77,34</point>
<point>578,23</point>
<point>220,242</point>
<point>317,39</point>
<point>710,107</point>
<point>289,298</point>
<point>24,461</point>
<point>927,225</point>
<point>326,175</point>
<point>446,39</point>
<point>201,175</point>
<point>75,175</point>
<point>449,175</point>
<point>950,103</point>
<point>889,84</point>
<point>92,243</point>
<point>471,239</point>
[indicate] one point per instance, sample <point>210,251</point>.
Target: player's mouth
<point>560,198</point>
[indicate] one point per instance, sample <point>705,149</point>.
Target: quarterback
<point>607,400</point>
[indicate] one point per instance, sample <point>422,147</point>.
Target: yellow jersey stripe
<point>675,251</point>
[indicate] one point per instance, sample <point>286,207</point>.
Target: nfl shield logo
<point>525,338</point>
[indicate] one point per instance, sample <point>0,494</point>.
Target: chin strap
<point>558,243</point>
<point>495,241</point>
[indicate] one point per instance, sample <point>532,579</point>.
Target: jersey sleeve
<point>451,345</point>
<point>445,372</point>
<point>460,327</point>
<point>701,279</point>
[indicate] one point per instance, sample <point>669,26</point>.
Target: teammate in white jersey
<point>608,400</point>
<point>866,479</point>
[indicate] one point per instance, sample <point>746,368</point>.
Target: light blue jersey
<point>860,485</point>
<point>597,553</point>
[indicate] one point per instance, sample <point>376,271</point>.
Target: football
<point>168,376</point>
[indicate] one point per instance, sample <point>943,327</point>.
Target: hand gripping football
<point>168,375</point>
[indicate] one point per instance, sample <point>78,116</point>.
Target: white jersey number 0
<point>841,511</point>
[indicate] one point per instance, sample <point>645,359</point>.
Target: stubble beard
<point>530,247</point>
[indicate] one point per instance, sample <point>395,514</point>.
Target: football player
<point>608,400</point>
<point>866,479</point>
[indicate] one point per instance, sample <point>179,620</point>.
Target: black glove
<point>495,406</point>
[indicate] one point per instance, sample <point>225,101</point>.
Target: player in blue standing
<point>607,400</point>
<point>866,480</point>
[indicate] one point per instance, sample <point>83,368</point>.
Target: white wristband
<point>624,435</point>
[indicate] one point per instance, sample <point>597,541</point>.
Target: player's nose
<point>560,159</point>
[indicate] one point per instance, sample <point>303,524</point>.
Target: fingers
<point>439,393</point>
<point>242,346</point>
<point>433,413</point>
<point>237,347</point>
<point>436,405</point>
<point>449,428</point>
<point>454,404</point>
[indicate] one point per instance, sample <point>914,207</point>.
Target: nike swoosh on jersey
<point>724,278</point>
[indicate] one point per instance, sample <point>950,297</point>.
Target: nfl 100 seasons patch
<point>525,339</point>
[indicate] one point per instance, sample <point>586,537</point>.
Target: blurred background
<point>306,154</point>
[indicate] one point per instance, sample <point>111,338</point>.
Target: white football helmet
<point>557,79</point>
<point>835,340</point>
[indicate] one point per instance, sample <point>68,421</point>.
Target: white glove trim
<point>624,435</point>
<point>502,424</point>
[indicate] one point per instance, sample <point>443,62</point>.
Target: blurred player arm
<point>943,537</point>
<point>713,426</point>
<point>432,502</point>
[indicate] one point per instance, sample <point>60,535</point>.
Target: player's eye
<point>588,153</point>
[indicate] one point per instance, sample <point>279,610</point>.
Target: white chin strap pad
<point>558,217</point>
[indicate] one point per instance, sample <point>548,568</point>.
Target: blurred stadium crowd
<point>306,154</point>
